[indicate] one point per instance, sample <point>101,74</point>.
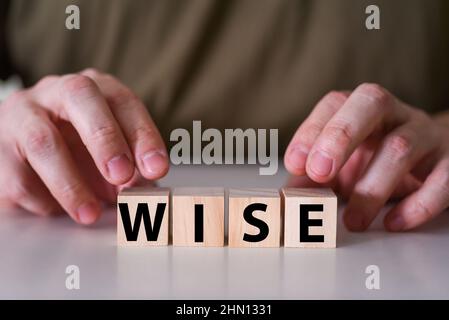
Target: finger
<point>139,129</point>
<point>407,186</point>
<point>368,109</point>
<point>43,147</point>
<point>423,205</point>
<point>22,186</point>
<point>399,152</point>
<point>353,169</point>
<point>103,190</point>
<point>426,165</point>
<point>304,138</point>
<point>77,99</point>
<point>6,203</point>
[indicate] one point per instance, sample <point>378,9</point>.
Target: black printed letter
<point>132,231</point>
<point>199,223</point>
<point>263,227</point>
<point>305,223</point>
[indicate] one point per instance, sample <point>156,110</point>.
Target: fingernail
<point>120,168</point>
<point>396,224</point>
<point>297,158</point>
<point>155,162</point>
<point>321,164</point>
<point>88,213</point>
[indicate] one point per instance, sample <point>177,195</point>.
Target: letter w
<point>132,231</point>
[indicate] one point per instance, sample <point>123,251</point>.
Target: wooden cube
<point>143,217</point>
<point>254,218</point>
<point>198,217</point>
<point>310,218</point>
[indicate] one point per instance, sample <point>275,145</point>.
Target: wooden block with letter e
<point>310,218</point>
<point>198,217</point>
<point>254,218</point>
<point>143,217</point>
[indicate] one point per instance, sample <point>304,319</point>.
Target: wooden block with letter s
<point>198,217</point>
<point>310,218</point>
<point>254,217</point>
<point>143,217</point>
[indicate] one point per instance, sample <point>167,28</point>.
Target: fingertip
<point>120,169</point>
<point>155,164</point>
<point>88,213</point>
<point>394,223</point>
<point>319,167</point>
<point>295,160</point>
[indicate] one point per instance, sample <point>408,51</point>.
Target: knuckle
<point>40,141</point>
<point>17,98</point>
<point>70,192</point>
<point>308,133</point>
<point>399,146</point>
<point>91,72</point>
<point>76,85</point>
<point>104,135</point>
<point>122,97</point>
<point>43,82</point>
<point>142,133</point>
<point>340,134</point>
<point>376,93</point>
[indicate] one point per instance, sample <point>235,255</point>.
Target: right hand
<point>70,141</point>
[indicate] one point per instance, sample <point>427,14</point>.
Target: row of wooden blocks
<point>300,217</point>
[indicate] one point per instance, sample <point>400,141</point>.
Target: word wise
<point>296,217</point>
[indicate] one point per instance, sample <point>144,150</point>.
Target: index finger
<point>78,99</point>
<point>368,109</point>
<point>299,147</point>
<point>137,125</point>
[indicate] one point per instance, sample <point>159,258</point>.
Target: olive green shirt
<point>231,64</point>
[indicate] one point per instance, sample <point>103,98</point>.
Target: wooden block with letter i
<point>142,217</point>
<point>310,218</point>
<point>254,218</point>
<point>198,217</point>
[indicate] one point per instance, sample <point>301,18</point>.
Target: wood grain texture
<point>292,199</point>
<point>239,199</point>
<point>150,196</point>
<point>184,201</point>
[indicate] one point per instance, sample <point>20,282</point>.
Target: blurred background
<point>236,63</point>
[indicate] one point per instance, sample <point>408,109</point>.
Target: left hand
<point>373,147</point>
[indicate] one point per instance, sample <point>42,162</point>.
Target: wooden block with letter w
<point>142,217</point>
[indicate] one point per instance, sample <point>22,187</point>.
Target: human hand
<point>70,141</point>
<point>372,147</point>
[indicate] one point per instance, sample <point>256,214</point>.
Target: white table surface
<point>34,253</point>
